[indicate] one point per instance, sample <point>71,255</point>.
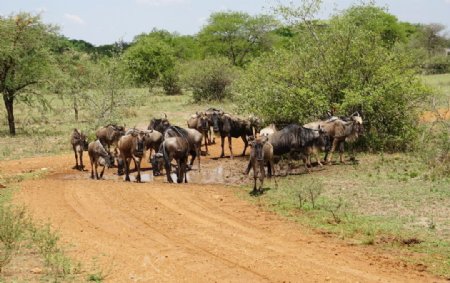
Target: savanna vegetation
<point>285,67</point>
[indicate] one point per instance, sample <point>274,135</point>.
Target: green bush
<point>171,83</point>
<point>342,65</point>
<point>209,79</point>
<point>437,65</point>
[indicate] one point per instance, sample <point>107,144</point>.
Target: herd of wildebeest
<point>115,144</point>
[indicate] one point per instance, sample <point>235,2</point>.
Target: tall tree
<point>237,35</point>
<point>25,58</point>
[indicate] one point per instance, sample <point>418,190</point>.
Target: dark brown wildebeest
<point>79,144</point>
<point>172,148</point>
<point>200,122</point>
<point>160,124</point>
<point>295,139</point>
<point>192,136</point>
<point>98,156</point>
<point>131,147</point>
<point>231,127</point>
<point>340,130</point>
<point>110,135</point>
<point>261,154</point>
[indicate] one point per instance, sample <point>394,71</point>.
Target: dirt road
<point>156,232</point>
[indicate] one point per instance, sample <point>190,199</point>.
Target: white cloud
<point>74,19</point>
<point>447,1</point>
<point>160,2</point>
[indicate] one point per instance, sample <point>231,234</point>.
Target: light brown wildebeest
<point>79,144</point>
<point>110,135</point>
<point>268,131</point>
<point>261,154</point>
<point>173,148</point>
<point>131,147</point>
<point>200,122</point>
<point>340,131</point>
<point>98,156</point>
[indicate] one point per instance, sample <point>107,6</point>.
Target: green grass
<point>41,133</point>
<point>387,200</point>
<point>441,83</point>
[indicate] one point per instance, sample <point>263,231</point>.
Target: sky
<point>107,21</point>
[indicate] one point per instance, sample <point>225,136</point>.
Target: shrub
<point>209,79</point>
<point>171,83</point>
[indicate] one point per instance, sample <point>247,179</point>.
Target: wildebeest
<point>110,135</point>
<point>159,124</point>
<point>261,154</point>
<point>79,144</point>
<point>98,156</point>
<point>231,127</point>
<point>172,148</point>
<point>200,122</point>
<point>268,131</point>
<point>295,139</point>
<point>152,140</point>
<point>340,130</point>
<point>193,138</point>
<point>131,147</point>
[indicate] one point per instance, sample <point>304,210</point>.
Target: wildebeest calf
<point>261,154</point>
<point>79,144</point>
<point>98,156</point>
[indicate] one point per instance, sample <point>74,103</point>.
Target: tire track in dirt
<point>190,233</point>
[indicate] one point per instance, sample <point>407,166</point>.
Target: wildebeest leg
<point>222,142</point>
<point>168,168</point>
<point>206,143</point>
<point>138,167</point>
<point>341,151</point>
<point>76,158</point>
<point>81,161</point>
<point>305,161</point>
<point>255,176</point>
<point>261,176</point>
<point>269,168</point>
<point>92,168</point>
<point>230,145</point>
<point>96,170</point>
<point>103,171</point>
<point>249,166</point>
<point>333,148</point>
<point>127,169</point>
<point>244,138</point>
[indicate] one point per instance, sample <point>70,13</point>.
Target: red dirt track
<point>159,232</point>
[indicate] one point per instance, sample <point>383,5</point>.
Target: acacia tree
<point>237,35</point>
<point>25,58</point>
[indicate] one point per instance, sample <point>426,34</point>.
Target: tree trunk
<point>9,105</point>
<point>75,106</point>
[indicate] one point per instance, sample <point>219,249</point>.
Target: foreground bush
<point>345,65</point>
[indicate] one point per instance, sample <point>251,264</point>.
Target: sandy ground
<point>196,232</point>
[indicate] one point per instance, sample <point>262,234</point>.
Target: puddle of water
<point>145,178</point>
<point>206,175</point>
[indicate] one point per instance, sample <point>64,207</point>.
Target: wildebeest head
<point>139,137</point>
<point>157,163</point>
<point>323,140</point>
<point>258,147</point>
<point>357,123</point>
<point>255,123</point>
<point>203,122</point>
<point>84,141</point>
<point>159,124</point>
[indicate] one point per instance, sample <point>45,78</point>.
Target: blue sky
<point>106,21</point>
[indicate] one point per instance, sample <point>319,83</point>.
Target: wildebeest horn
<point>165,115</point>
